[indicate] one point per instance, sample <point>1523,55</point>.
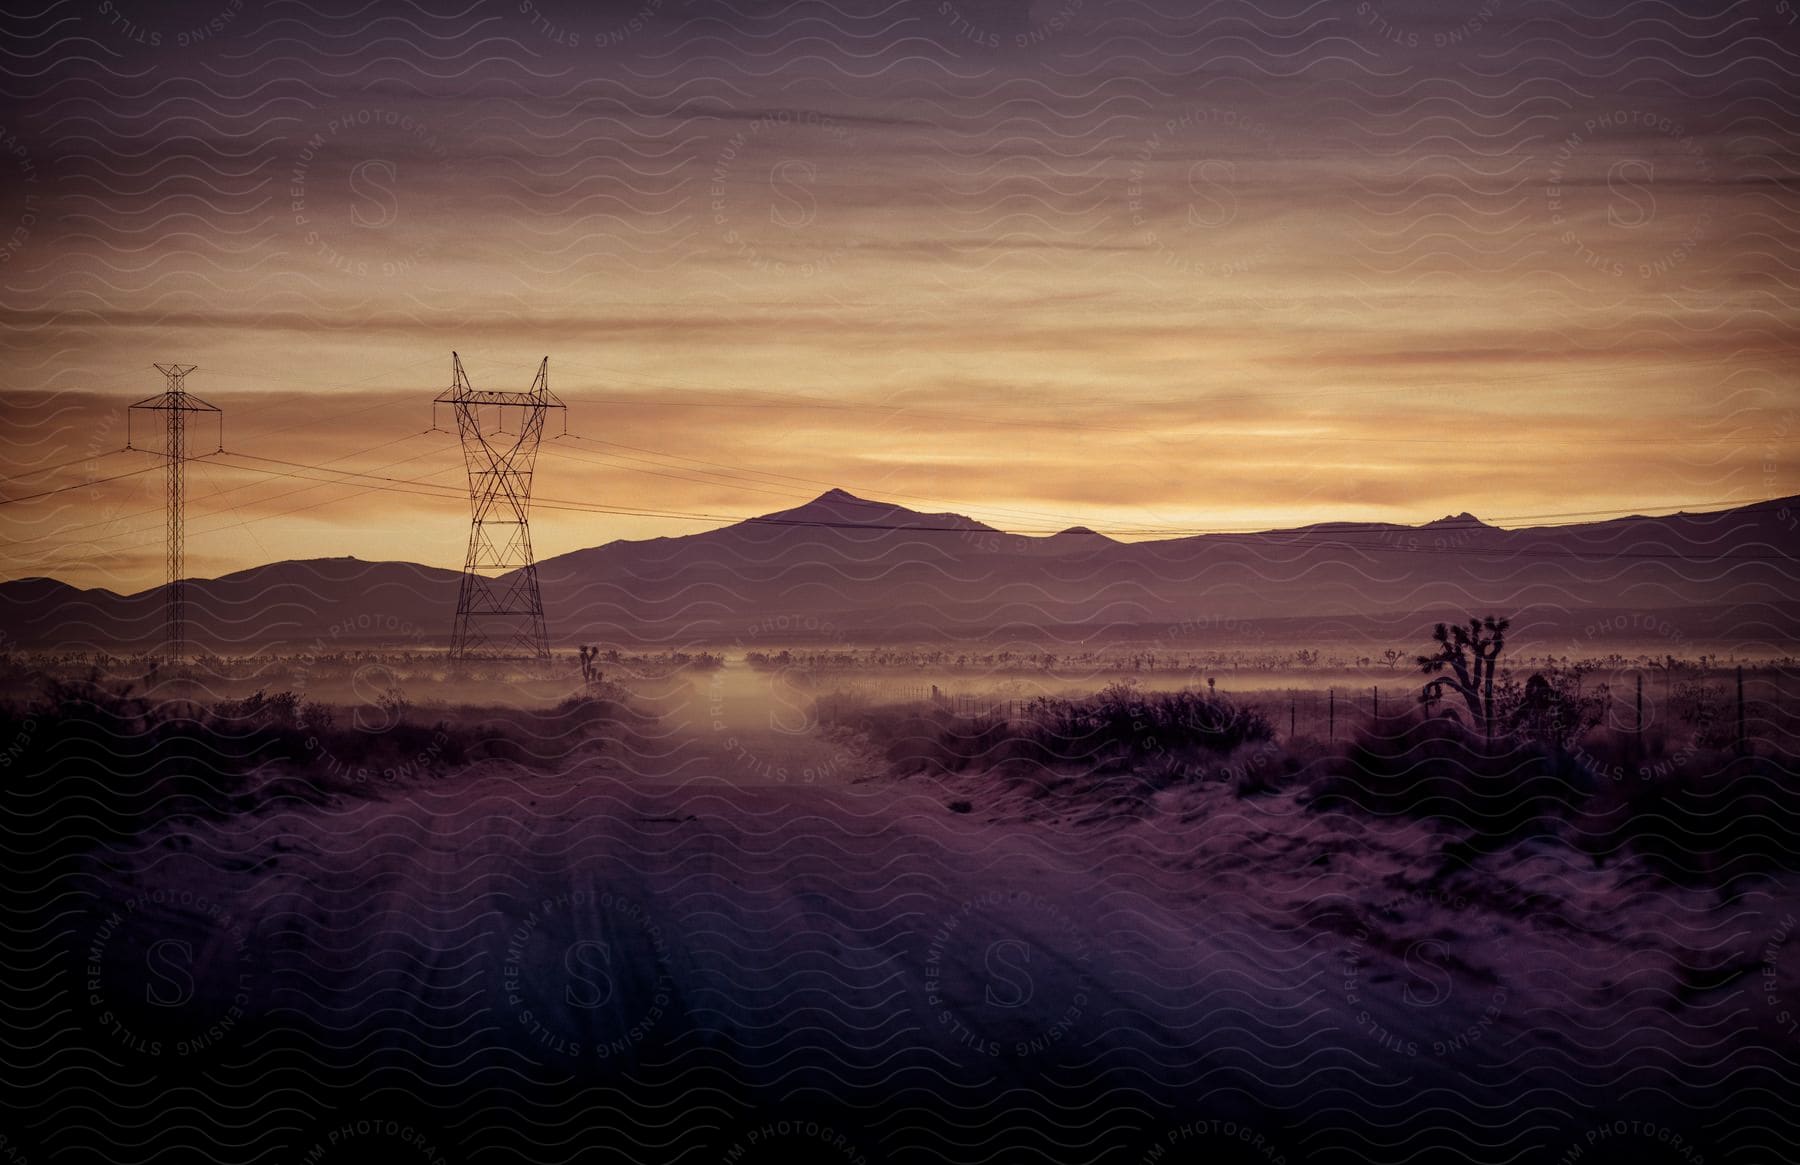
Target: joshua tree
<point>1470,654</point>
<point>590,669</point>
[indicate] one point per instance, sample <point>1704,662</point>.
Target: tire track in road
<point>483,955</point>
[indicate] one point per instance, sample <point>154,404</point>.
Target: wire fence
<point>1741,709</point>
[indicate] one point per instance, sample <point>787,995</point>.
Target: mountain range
<point>844,569</point>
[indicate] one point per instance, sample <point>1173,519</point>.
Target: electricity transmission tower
<point>499,610</point>
<point>175,403</point>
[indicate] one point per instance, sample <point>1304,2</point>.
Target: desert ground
<point>734,930</point>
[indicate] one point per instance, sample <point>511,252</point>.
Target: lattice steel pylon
<point>175,402</point>
<point>499,609</point>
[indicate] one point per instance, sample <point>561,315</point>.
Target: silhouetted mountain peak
<point>1081,535</point>
<point>840,508</point>
<point>877,564</point>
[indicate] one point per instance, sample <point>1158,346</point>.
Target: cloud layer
<point>1048,264</point>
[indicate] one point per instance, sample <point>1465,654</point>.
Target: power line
<point>444,491</point>
<point>33,472</point>
<point>1743,504</point>
<point>1303,539</point>
<point>393,485</point>
<point>244,522</point>
<point>1748,505</point>
<point>219,493</point>
<point>451,491</point>
<point>93,481</point>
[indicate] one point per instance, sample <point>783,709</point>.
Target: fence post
<point>1293,704</point>
<point>1743,742</point>
<point>1331,714</point>
<point>1375,702</point>
<point>1640,710</point>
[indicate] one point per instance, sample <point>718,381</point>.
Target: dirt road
<point>659,956</point>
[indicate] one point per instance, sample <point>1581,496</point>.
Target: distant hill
<point>843,568</point>
<point>322,604</point>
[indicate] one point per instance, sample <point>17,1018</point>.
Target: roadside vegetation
<point>91,760</point>
<point>1118,729</point>
<point>1488,756</point>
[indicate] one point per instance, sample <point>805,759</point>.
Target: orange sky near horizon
<point>1253,270</point>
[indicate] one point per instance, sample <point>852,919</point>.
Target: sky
<point>1142,266</point>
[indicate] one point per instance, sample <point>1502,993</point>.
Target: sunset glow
<point>1145,273</point>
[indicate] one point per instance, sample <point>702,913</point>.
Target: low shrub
<point>1701,817</point>
<point>1696,815</point>
<point>87,761</point>
<point>1117,729</point>
<point>1419,765</point>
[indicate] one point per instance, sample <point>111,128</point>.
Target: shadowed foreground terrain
<point>647,948</point>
